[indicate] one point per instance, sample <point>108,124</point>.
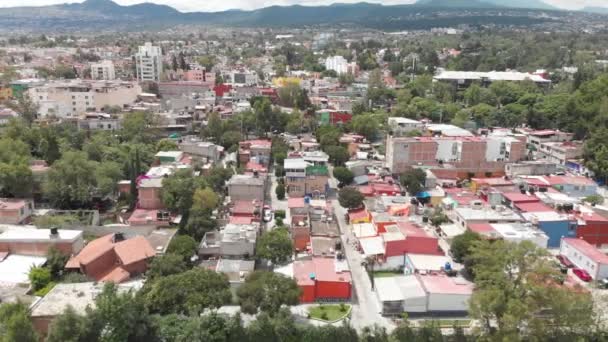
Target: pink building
<point>15,211</point>
<point>195,75</point>
<point>150,193</point>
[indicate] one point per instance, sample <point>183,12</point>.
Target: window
<point>73,103</point>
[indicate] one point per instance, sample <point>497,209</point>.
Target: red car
<point>582,274</point>
<point>565,261</point>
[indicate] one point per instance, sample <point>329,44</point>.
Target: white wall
<point>448,302</point>
<point>448,150</point>
<point>580,260</point>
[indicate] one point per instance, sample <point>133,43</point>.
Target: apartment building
<point>560,152</point>
<point>149,63</point>
<point>454,157</point>
<point>65,99</point>
<point>302,178</point>
<point>340,65</point>
<point>104,70</point>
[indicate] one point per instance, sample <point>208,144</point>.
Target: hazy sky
<point>217,5</point>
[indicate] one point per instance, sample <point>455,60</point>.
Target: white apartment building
<point>338,64</point>
<point>244,78</point>
<point>64,99</point>
<point>149,63</point>
<point>103,70</point>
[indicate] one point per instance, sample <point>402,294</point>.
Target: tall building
<point>149,63</point>
<point>103,70</point>
<point>337,63</point>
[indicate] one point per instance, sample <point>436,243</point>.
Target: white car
<point>267,215</point>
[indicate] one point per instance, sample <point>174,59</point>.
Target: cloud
<point>219,5</point>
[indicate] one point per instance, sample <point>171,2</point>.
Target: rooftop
<point>78,295</point>
<point>246,180</point>
<point>14,268</point>
<point>487,214</point>
<point>12,203</point>
<point>424,262</point>
<point>26,234</point>
<point>587,249</point>
<point>491,76</point>
<point>443,284</point>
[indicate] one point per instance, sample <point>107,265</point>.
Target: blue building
<point>554,224</point>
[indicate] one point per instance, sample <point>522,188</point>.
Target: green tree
<point>107,175</point>
<point>166,265</point>
<point>199,289</point>
<point>70,327</point>
<point>71,181</point>
<point>199,222</point>
<point>138,127</point>
<point>15,174</point>
<point>205,199</point>
<point>514,284</point>
<point>462,244</point>
<point>39,277</point>
<point>280,192</point>
<point>595,153</point>
<point>184,246</point>
<point>55,262</point>
<point>26,108</point>
<point>413,180</point>
<point>178,191</point>
<point>276,246</point>
<point>15,324</point>
<point>350,198</point>
<point>338,155</point>
<point>366,125</point>
<point>166,145</point>
<point>267,292</point>
<point>343,175</point>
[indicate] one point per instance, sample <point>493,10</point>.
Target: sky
<point>219,5</point>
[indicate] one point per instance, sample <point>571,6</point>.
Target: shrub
<point>324,316</point>
<point>279,214</point>
<point>342,307</point>
<point>280,192</point>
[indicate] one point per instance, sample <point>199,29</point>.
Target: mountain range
<point>100,14</point>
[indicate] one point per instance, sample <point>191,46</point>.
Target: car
<point>582,274</point>
<point>267,215</point>
<point>603,283</point>
<point>565,261</point>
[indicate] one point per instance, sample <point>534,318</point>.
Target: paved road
<point>275,204</point>
<point>366,308</point>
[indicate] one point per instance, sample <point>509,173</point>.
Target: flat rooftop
<point>15,268</point>
<point>443,284</point>
<point>79,296</point>
<point>24,234</point>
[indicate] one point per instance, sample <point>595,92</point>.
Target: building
<point>555,225</point>
<point>463,79</point>
<point>233,241</point>
<point>585,256</point>
<point>536,138</point>
<point>591,227</point>
<point>112,258</point>
<point>256,150</point>
<point>243,78</point>
<point>103,70</point>
<point>175,89</point>
<point>76,97</point>
<point>305,179</point>
<point>28,240</point>
<point>237,270</point>
<point>512,232</point>
<point>246,188</point>
<point>6,93</point>
<point>530,168</point>
<point>149,63</point>
<point>149,193</point>
<point>454,157</point>
<point>333,117</point>
<point>400,126</point>
<point>201,149</point>
<point>560,152</point>
<point>465,216</point>
<point>15,211</point>
<point>99,122</point>
<point>321,279</point>
<point>340,65</point>
<point>423,294</point>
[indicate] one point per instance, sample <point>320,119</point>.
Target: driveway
<point>276,204</point>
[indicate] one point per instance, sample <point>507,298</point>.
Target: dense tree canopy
<point>267,291</point>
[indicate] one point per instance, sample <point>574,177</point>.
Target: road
<point>366,308</point>
<point>276,204</point>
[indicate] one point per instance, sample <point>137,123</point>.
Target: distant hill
<point>534,4</point>
<point>599,10</point>
<point>106,14</point>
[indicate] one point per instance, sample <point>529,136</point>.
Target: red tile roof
<point>481,228</point>
<point>116,275</point>
<point>518,197</point>
<point>296,202</point>
<point>533,207</point>
<point>134,250</point>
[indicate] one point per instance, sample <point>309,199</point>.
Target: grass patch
<point>384,274</point>
<point>329,313</point>
<point>447,323</point>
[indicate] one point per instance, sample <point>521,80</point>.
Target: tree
<point>594,199</point>
<point>338,155</point>
<point>71,181</point>
<point>462,244</point>
<point>26,108</point>
<point>276,246</point>
<point>166,265</point>
<point>166,145</point>
<point>15,324</point>
<point>267,291</point>
<point>69,327</point>
<point>15,174</point>
<point>178,191</point>
<point>39,277</point>
<point>343,175</point>
<point>199,289</point>
<point>107,175</point>
<point>280,192</point>
<point>55,262</point>
<point>518,293</point>
<point>350,198</point>
<point>366,125</point>
<point>413,181</point>
<point>205,199</point>
<point>199,222</point>
<point>184,246</point>
<point>137,127</point>
<point>595,153</point>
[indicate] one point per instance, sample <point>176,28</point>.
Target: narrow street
<point>366,308</point>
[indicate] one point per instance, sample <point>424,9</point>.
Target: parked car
<point>582,274</point>
<point>267,215</point>
<point>565,261</point>
<point>603,283</point>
